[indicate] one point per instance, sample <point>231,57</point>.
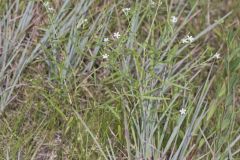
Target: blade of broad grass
<point>91,134</point>
<point>126,128</point>
<point>10,56</point>
<point>24,23</point>
<point>210,148</point>
<point>111,152</point>
<point>194,125</point>
<point>175,132</point>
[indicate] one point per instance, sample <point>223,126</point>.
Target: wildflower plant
<point>156,99</point>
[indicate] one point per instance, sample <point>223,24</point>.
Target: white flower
<point>184,40</point>
<point>217,56</point>
<point>190,39</point>
<point>187,39</point>
<point>46,4</point>
<point>105,56</point>
<point>182,111</point>
<point>51,9</point>
<point>174,19</point>
<point>153,3</point>
<point>126,10</point>
<point>105,40</point>
<point>116,35</point>
<point>81,22</point>
<point>48,7</point>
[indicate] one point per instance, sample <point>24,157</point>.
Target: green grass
<point>60,99</point>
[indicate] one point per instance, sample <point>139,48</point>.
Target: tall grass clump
<point>95,79</point>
